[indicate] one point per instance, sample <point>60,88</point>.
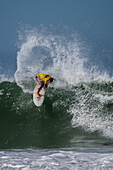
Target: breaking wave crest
<point>77,107</point>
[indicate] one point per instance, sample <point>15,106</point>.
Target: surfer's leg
<point>42,84</point>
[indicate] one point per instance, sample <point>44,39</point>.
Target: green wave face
<point>69,117</point>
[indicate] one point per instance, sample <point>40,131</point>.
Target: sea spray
<point>51,54</point>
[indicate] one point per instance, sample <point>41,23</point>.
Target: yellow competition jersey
<point>44,77</point>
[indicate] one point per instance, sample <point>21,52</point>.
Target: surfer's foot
<point>38,94</point>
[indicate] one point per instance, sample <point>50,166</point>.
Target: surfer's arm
<point>38,80</point>
<point>46,85</point>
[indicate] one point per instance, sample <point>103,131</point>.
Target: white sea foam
<point>104,98</point>
<point>6,78</point>
<point>90,115</point>
<point>1,92</point>
<point>59,159</point>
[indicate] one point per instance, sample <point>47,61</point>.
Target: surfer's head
<point>50,80</point>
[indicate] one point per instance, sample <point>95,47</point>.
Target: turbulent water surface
<point>74,126</point>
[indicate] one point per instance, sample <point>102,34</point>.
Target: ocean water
<point>73,129</point>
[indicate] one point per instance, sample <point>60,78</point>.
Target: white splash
<point>52,54</point>
<point>89,114</point>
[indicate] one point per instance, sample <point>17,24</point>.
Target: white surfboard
<point>38,100</point>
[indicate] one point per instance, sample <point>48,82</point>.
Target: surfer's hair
<point>51,79</point>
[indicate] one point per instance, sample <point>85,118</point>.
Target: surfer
<point>43,79</point>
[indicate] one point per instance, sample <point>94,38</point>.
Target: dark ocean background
<point>73,42</point>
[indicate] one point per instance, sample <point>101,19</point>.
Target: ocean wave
<point>77,107</point>
<point>68,116</point>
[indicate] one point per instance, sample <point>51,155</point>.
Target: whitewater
<point>73,129</point>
